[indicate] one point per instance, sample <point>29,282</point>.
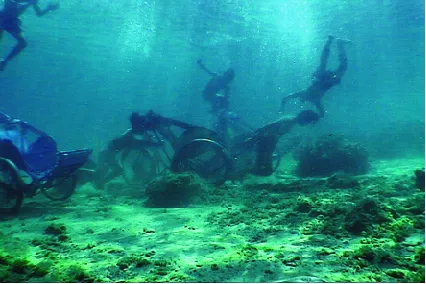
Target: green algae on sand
<point>275,229</point>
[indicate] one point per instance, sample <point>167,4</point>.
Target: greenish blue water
<point>89,64</point>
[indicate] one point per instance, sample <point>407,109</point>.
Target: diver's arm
<point>325,54</point>
<point>205,68</point>
<point>275,130</point>
<point>50,7</point>
<point>121,142</point>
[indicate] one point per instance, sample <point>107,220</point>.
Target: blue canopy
<point>37,149</point>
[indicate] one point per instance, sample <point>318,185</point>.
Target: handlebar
<point>152,121</point>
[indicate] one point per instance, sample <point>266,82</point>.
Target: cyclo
<point>156,144</point>
<point>30,161</point>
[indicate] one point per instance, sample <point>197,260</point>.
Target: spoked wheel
<point>11,194</point>
<point>205,157</point>
<point>138,165</point>
<point>60,189</point>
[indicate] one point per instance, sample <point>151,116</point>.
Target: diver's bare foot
<point>343,41</point>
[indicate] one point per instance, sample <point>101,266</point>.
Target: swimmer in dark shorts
<point>10,22</point>
<point>322,79</point>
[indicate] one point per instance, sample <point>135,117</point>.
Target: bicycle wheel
<point>205,157</point>
<point>11,195</point>
<point>60,189</point>
<point>138,165</point>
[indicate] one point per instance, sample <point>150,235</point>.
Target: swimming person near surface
<point>322,79</point>
<point>10,22</point>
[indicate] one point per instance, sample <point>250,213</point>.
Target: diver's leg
<point>325,53</point>
<point>21,44</point>
<point>264,148</point>
<point>343,59</point>
<point>221,125</point>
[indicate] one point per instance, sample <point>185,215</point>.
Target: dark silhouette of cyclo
<point>30,162</point>
<point>156,144</point>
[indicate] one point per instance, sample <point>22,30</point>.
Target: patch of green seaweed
<point>20,269</point>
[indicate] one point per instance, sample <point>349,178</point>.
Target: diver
<point>134,137</point>
<point>213,90</point>
<point>138,134</point>
<point>264,140</point>
<point>10,22</point>
<point>142,134</point>
<point>216,92</point>
<point>322,79</point>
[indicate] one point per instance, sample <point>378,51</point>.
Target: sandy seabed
<point>367,228</point>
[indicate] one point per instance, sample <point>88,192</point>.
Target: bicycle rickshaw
<point>30,162</point>
<point>156,144</point>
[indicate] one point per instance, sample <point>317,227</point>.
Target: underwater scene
<point>212,141</point>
